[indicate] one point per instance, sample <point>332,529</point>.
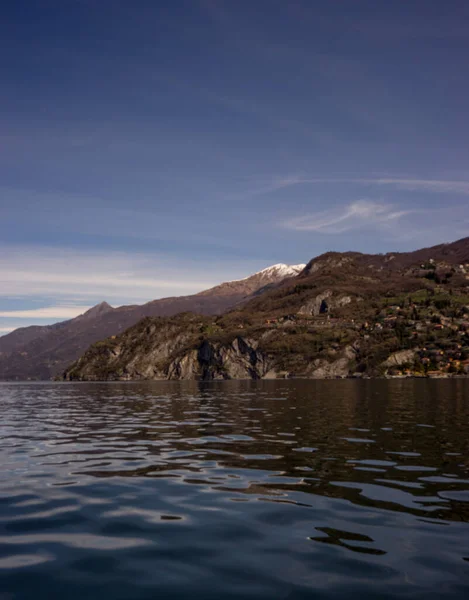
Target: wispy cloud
<point>424,185</point>
<point>459,187</point>
<point>49,312</point>
<point>74,278</point>
<point>356,215</point>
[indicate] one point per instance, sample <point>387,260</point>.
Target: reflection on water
<point>289,489</point>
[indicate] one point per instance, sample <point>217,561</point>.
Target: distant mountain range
<point>341,314</point>
<point>345,314</point>
<point>41,352</point>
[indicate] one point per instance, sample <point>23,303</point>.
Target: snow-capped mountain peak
<point>274,273</point>
<point>282,270</point>
<point>256,281</point>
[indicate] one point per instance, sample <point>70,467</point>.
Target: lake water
<point>257,490</point>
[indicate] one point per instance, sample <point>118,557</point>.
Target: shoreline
<point>293,378</point>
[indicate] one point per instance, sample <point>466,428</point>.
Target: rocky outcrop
<point>171,349</point>
<point>322,369</point>
<point>331,261</point>
<point>343,366</point>
<point>400,358</point>
<point>239,359</point>
<point>142,352</point>
<point>170,353</point>
<point>323,303</point>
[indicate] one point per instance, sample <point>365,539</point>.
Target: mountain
<point>41,352</point>
<point>254,283</point>
<point>344,314</point>
<point>96,311</point>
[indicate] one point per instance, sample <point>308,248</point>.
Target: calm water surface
<point>266,490</point>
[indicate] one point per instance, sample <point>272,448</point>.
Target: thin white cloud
<point>356,215</point>
<point>424,185</point>
<point>4,330</point>
<point>128,282</point>
<point>49,312</point>
<point>72,277</point>
<point>459,187</point>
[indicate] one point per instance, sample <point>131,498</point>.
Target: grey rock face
<point>329,262</point>
<point>400,358</point>
<point>323,303</point>
<point>330,370</point>
<point>341,367</point>
<point>238,360</point>
<point>170,350</point>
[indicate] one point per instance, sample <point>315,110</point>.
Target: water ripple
<point>235,490</point>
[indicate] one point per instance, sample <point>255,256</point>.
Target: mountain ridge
<point>41,352</point>
<point>345,314</point>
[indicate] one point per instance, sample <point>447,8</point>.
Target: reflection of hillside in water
<point>400,445</point>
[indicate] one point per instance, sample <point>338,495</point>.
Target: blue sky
<point>151,149</point>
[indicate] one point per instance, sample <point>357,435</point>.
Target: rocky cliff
<point>171,349</point>
<point>178,349</point>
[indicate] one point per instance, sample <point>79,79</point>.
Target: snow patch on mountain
<point>278,271</point>
<point>283,270</point>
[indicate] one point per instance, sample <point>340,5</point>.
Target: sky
<point>152,149</point>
